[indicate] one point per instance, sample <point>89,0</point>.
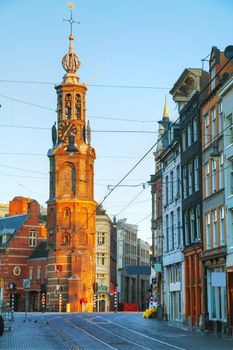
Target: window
<point>213,114</point>
<point>167,234</point>
<point>172,231</point>
<point>166,190</point>
<point>222,218</point>
<point>214,166</point>
<point>216,289</point>
<point>207,219</point>
<point>189,134</point>
<point>192,224</point>
<point>78,106</point>
<point>183,140</point>
<point>38,274</point>
<point>30,273</point>
<point>68,106</point>
<point>101,238</point>
<point>32,238</point>
<point>231,176</point>
<point>190,178</point>
<point>186,226</point>
<point>177,181</point>
<point>212,77</point>
<point>171,187</point>
<point>220,117</point>
<point>66,239</point>
<point>207,179</point>
<point>185,181</point>
<point>195,129</point>
<point>178,223</point>
<point>4,238</point>
<point>221,172</point>
<point>207,138</point>
<point>229,130</point>
<point>198,222</point>
<point>215,231</point>
<point>196,174</point>
<point>100,259</point>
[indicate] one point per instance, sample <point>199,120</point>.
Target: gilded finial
<point>165,110</point>
<point>70,61</point>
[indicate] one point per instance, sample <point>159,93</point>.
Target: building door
<point>230,286</point>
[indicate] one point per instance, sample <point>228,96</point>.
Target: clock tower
<point>71,205</point>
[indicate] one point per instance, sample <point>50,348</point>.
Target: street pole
<point>26,305</point>
<point>12,306</point>
<point>60,302</point>
<point>115,301</point>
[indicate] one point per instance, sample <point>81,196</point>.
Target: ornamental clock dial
<point>66,128</point>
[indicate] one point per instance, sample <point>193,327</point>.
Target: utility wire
<point>93,85</point>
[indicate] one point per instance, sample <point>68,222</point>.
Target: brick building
<point>20,233</point>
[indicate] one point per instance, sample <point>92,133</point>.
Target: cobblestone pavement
<point>32,334</point>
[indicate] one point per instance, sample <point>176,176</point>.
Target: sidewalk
<point>32,334</point>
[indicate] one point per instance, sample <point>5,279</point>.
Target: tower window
<point>66,239</point>
<point>68,102</point>
<point>78,106</point>
<point>59,107</point>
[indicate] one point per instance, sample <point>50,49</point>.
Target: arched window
<point>67,179</point>
<point>51,218</point>
<point>66,239</point>
<point>78,106</point>
<point>59,107</point>
<point>67,218</point>
<point>68,104</point>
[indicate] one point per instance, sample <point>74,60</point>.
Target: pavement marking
<point>146,336</point>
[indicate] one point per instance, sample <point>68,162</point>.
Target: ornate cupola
<point>71,205</point>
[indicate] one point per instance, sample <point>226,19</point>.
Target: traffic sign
<point>26,283</point>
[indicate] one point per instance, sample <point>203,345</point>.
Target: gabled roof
<point>11,224</point>
<point>41,251</point>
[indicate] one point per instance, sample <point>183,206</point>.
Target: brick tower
<point>71,206</point>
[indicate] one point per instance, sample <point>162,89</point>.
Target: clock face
<point>66,128</point>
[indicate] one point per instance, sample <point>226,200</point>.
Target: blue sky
<point>126,42</point>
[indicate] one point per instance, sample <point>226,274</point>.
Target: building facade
<point>71,205</point>
<point>214,213</point>
<point>173,267</point>
<point>19,237</point>
<point>105,261</point>
<point>187,93</point>
<point>132,288</point>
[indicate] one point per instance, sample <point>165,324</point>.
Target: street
<point>87,331</point>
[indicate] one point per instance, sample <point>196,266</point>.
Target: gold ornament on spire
<point>165,110</point>
<point>70,5</point>
<point>70,61</point>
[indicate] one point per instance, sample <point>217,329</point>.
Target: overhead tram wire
<point>92,85</point>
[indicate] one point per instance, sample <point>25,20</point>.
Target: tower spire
<point>70,61</point>
<point>165,110</point>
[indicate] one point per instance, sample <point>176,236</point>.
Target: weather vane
<point>71,20</point>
